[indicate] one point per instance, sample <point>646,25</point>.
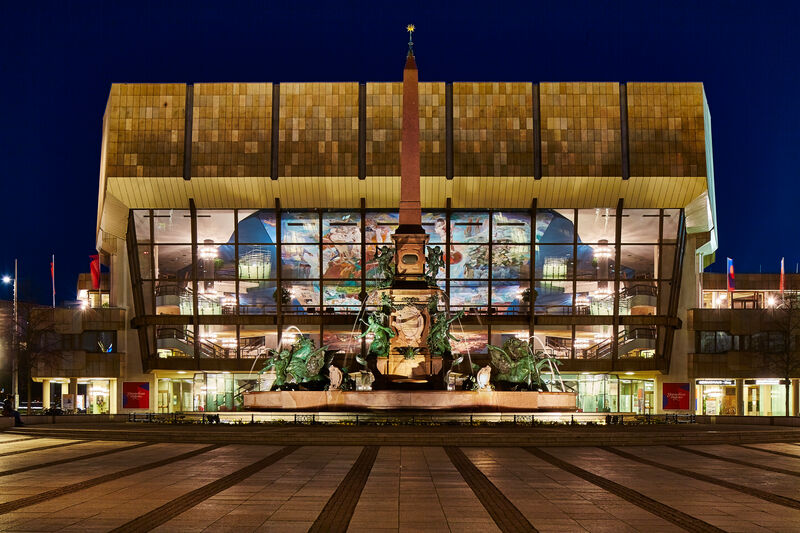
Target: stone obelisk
<point>410,238</point>
<point>409,357</point>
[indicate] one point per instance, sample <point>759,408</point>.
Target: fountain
<point>410,335</point>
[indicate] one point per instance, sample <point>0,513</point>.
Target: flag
<point>53,278</point>
<point>783,276</point>
<point>731,280</point>
<point>94,266</point>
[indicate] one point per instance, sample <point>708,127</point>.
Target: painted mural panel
<point>380,226</point>
<point>511,261</point>
<point>469,294</point>
<point>469,261</point>
<point>343,226</point>
<point>435,225</point>
<point>297,227</point>
<point>341,261</point>
<point>342,296</point>
<point>299,261</point>
<point>469,227</point>
<point>511,227</point>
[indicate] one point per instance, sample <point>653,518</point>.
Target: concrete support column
<point>740,397</point>
<point>45,394</point>
<point>73,386</point>
<point>795,406</point>
<point>112,397</point>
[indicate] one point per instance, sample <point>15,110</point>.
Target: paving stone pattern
<point>68,485</point>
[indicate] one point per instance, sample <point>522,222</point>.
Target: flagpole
<point>53,278</point>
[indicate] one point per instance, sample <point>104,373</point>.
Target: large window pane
<point>341,227</point>
<point>173,297</point>
<point>145,266</point>
<point>141,224</point>
<point>640,225</point>
<point>594,342</point>
<point>435,225</point>
<point>341,261</point>
<point>554,261</point>
<point>510,297</point>
<point>257,297</point>
<point>216,261</point>
<point>469,227</point>
<point>255,341</point>
<point>594,298</point>
<point>596,261</point>
<point>172,226</point>
<point>468,294</point>
<point>638,262</point>
<point>303,296</point>
<point>470,339</point>
<point>638,341</point>
<point>380,226</point>
<point>597,225</point>
<point>257,227</point>
<point>257,261</point>
<point>553,298</point>
<point>555,226</point>
<point>667,261</point>
<point>638,298</point>
<point>216,298</point>
<point>341,296</point>
<point>511,227</point>
<point>672,219</point>
<point>173,261</point>
<point>299,227</point>
<point>299,262</point>
<point>511,262</point>
<point>218,342</point>
<point>469,262</point>
<point>175,341</point>
<point>215,225</point>
<point>553,340</point>
<point>343,339</point>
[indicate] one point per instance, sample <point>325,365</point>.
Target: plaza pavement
<point>220,478</point>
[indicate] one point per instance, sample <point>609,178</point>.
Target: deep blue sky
<point>57,60</point>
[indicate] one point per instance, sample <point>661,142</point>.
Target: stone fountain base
<point>404,400</point>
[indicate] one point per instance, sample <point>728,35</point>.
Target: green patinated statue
<point>381,336</point>
<point>434,260</point>
<point>300,363</point>
<point>385,257</point>
<point>516,362</point>
<point>439,335</point>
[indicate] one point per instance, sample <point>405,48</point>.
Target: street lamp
<point>14,360</point>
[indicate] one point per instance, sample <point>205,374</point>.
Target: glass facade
<point>610,393</point>
<point>505,263</point>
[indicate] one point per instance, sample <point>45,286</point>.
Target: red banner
<point>675,396</point>
<point>94,266</point>
<point>136,395</point>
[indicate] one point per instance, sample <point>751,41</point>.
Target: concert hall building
<point>233,217</point>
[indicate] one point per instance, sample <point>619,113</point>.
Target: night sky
<point>58,60</point>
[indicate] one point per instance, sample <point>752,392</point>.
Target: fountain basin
<point>400,400</point>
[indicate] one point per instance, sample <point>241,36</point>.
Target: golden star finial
<point>410,29</point>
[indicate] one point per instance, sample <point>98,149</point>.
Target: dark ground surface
<point>134,477</point>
